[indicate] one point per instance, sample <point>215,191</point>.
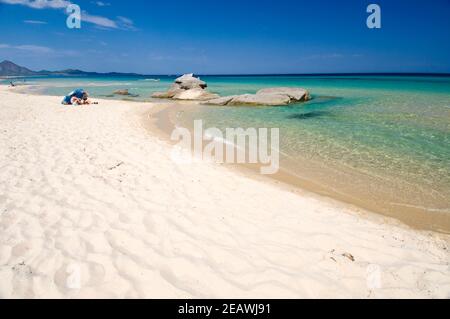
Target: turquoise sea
<point>379,141</point>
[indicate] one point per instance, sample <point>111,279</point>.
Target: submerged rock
<point>122,92</point>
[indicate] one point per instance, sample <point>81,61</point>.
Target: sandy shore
<point>91,205</point>
<point>384,197</point>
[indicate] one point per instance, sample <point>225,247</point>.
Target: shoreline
<point>157,125</point>
<point>161,121</point>
<point>92,188</point>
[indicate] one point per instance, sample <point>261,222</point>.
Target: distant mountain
<point>74,72</point>
<point>8,68</point>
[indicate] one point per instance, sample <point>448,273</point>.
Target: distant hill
<point>8,68</point>
<point>74,72</point>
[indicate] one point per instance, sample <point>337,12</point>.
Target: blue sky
<point>228,36</point>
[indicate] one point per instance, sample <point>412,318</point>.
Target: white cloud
<point>101,3</point>
<point>27,47</point>
<point>125,20</point>
<point>39,50</point>
<point>34,22</point>
<point>98,20</point>
<point>40,4</point>
<point>34,48</point>
<point>126,23</point>
<point>103,22</point>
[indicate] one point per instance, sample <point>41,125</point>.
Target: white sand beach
<point>92,206</point>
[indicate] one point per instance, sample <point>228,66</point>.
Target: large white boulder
<point>186,87</point>
<point>188,81</point>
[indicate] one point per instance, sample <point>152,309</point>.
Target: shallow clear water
<point>378,139</point>
<point>140,88</point>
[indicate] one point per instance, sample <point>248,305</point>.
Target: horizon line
<point>443,74</point>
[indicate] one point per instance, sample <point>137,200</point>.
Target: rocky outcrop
<point>221,100</point>
<point>188,82</point>
<point>195,94</point>
<point>170,93</point>
<point>260,99</point>
<point>187,87</point>
<point>295,94</point>
<point>269,97</point>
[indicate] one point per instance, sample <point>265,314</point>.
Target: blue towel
<point>78,93</point>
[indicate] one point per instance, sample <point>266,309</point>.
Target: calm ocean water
<point>381,140</point>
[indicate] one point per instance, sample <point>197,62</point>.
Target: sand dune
<point>91,205</point>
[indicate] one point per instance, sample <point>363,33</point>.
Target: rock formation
<point>271,97</point>
<point>187,87</point>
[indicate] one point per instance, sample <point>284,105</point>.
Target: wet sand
<point>345,185</point>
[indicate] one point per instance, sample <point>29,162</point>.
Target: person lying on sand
<point>77,97</point>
